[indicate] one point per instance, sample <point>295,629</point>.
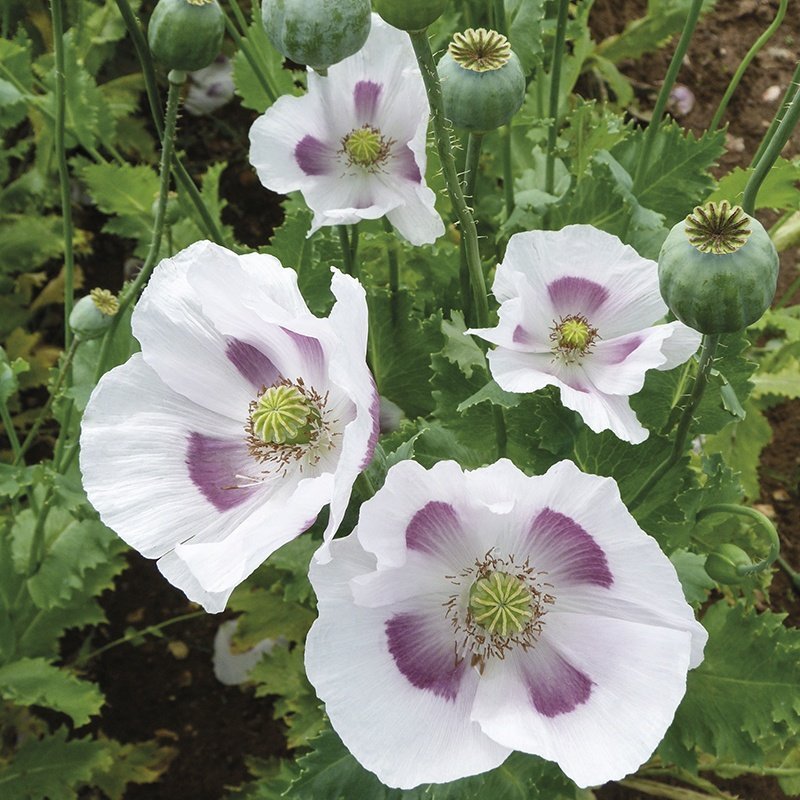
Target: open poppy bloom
<point>472,613</point>
<point>354,145</point>
<point>241,418</point>
<point>577,311</point>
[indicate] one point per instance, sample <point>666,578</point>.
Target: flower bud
<point>410,15</point>
<point>317,32</point>
<point>483,84</point>
<point>186,35</point>
<point>722,564</point>
<point>91,315</point>
<point>718,269</point>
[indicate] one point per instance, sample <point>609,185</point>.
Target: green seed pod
<point>718,269</point>
<point>410,15</point>
<point>317,32</point>
<point>721,565</point>
<point>91,315</point>
<point>483,84</point>
<point>186,34</point>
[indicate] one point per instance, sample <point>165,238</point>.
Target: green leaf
<point>778,191</point>
<point>9,385</point>
<point>591,128</point>
<point>494,394</point>
<point>266,615</point>
<point>785,383</point>
<point>28,241</point>
<point>34,681</point>
<point>693,576</point>
<point>746,690</point>
<point>248,85</point>
<point>139,763</point>
<point>524,19</point>
<point>676,176</point>
<point>52,767</point>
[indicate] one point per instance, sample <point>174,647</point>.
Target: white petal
<point>230,668</point>
<point>522,372</point>
<point>596,695</point>
<point>602,412</point>
<point>404,734</point>
<point>680,345</point>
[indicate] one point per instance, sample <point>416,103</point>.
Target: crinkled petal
<point>680,345</point>
<point>405,734</point>
<point>604,412</point>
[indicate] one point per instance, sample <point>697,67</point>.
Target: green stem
<point>130,636</point>
<point>794,286</point>
<point>441,135</point>
<point>499,13</point>
<point>663,96</point>
<point>394,271</point>
<point>45,412</point>
<point>751,54</point>
<point>36,553</point>
<point>555,86</point>
<point>508,172</point>
<point>761,520</point>
<point>251,55</point>
<point>11,432</point>
<point>129,295</point>
<point>771,153</point>
<point>791,91</point>
<point>154,101</point>
<point>709,348</point>
<point>57,12</point>
<point>474,143</point>
<point>347,251</point>
<point>365,486</point>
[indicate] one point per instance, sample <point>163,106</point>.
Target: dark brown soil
<point>152,693</point>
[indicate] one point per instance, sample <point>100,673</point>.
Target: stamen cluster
<point>573,337</point>
<point>366,147</point>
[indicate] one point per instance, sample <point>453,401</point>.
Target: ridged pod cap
<point>317,32</point>
<point>186,35</point>
<point>483,84</point>
<point>410,15</point>
<point>718,269</point>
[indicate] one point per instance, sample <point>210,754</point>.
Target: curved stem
<point>709,348</point>
<point>45,412</point>
<point>751,54</point>
<point>761,520</point>
<point>771,153</point>
<point>154,101</point>
<point>663,95</point>
<point>791,91</point>
<point>508,173</point>
<point>57,12</point>
<point>129,295</point>
<point>441,135</point>
<point>555,87</point>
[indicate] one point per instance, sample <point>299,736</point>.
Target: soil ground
<point>151,692</point>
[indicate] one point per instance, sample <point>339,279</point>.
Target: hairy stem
<point>555,88</point>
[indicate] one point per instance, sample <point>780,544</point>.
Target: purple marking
<point>621,350</point>
<point>577,554</point>
<point>406,164</point>
<point>309,349</point>
<point>365,96</point>
<point>213,464</point>
<point>572,295</point>
<point>424,659</point>
<point>520,336</point>
<point>375,413</point>
<point>251,363</point>
<point>432,526</point>
<point>561,690</point>
<point>313,156</point>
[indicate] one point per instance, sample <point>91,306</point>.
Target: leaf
<point>778,191</point>
<point>783,384</point>
<point>693,576</point>
<point>52,767</point>
<point>248,85</point>
<point>524,20</point>
<point>266,615</point>
<point>746,689</point>
<point>494,394</point>
<point>676,176</point>
<point>34,681</point>
<point>138,762</point>
<point>590,129</point>
<point>9,385</point>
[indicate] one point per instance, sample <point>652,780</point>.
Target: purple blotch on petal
<point>559,691</point>
<point>375,413</point>
<point>312,156</point>
<point>580,558</point>
<point>365,97</point>
<point>618,352</point>
<point>251,363</point>
<point>431,526</point>
<point>573,295</point>
<point>405,164</point>
<point>424,660</point>
<point>309,348</point>
<point>520,335</point>
<point>213,465</point>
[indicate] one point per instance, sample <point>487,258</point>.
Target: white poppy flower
<point>241,418</point>
<point>577,311</point>
<point>354,145</point>
<point>475,613</point>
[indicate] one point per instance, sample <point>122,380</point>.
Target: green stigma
<point>283,415</point>
<point>365,146</point>
<point>574,334</point>
<point>501,603</point>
